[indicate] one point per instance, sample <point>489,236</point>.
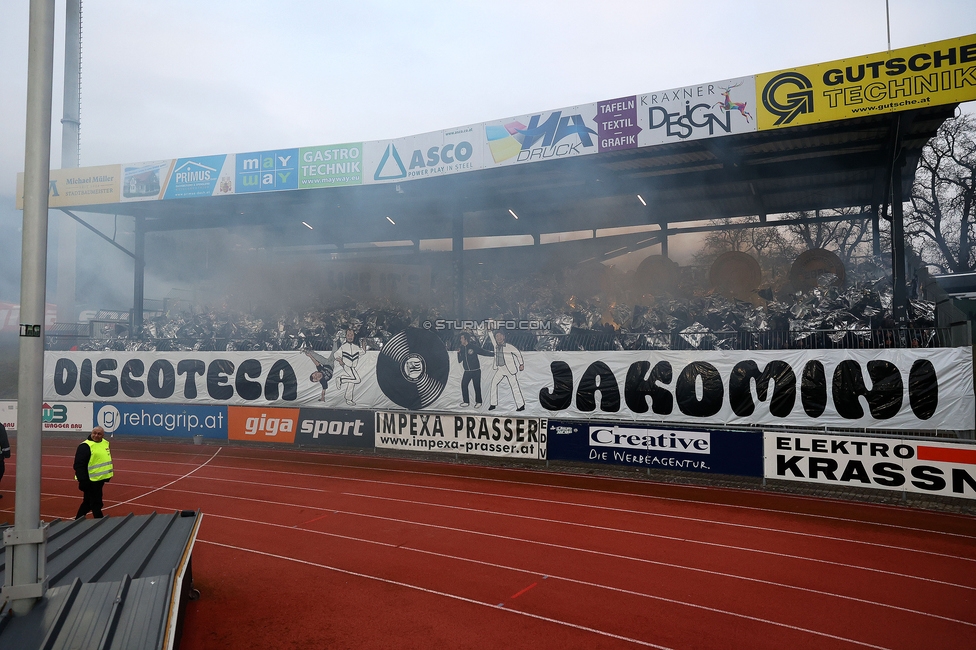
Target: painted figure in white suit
<point>508,363</point>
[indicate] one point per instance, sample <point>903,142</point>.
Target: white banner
<point>476,435</point>
<point>882,463</point>
<point>549,135</point>
<point>695,112</point>
<point>423,156</point>
<point>8,414</point>
<point>55,416</point>
<point>884,389</point>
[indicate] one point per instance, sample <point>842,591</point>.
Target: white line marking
<point>582,582</point>
<point>585,550</point>
<point>445,595</point>
<point>122,503</point>
<point>649,514</point>
<point>669,537</point>
<point>544,618</point>
<point>737,491</point>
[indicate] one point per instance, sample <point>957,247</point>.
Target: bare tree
<point>844,237</point>
<point>773,250</point>
<point>940,219</point>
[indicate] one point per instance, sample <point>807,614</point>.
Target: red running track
<point>312,550</point>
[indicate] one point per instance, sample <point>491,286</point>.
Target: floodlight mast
<point>25,543</point>
<point>70,158</point>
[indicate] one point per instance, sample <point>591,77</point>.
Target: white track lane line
<point>672,538</point>
<point>638,512</point>
<point>141,496</point>
<point>585,550</point>
<point>544,618</point>
<point>621,530</point>
<point>441,593</point>
<point>632,481</point>
<point>621,494</point>
<point>573,580</point>
<point>649,514</point>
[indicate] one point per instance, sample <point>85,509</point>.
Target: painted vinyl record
<point>412,368</point>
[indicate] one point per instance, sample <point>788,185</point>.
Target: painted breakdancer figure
<point>324,369</point>
<point>508,363</point>
<point>349,355</point>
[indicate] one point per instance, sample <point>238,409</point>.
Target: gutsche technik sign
<point>883,389</point>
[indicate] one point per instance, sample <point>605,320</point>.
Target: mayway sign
<point>511,437</point>
<point>882,463</point>
<point>717,451</point>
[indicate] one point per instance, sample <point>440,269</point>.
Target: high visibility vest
<point>100,463</point>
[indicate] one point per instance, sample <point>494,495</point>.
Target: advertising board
<point>335,428</point>
<point>882,463</point>
<point>716,451</point>
<point>262,424</point>
<point>424,156</point>
<point>168,420</point>
<point>693,112</point>
<point>898,80</point>
<point>475,435</point>
<point>78,186</point>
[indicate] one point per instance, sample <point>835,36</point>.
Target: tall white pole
<point>70,151</point>
<point>27,557</point>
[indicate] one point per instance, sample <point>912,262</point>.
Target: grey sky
<point>180,78</point>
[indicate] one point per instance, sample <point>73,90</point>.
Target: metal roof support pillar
<point>875,231</point>
<point>898,271</point>
<point>70,127</point>
<point>25,545</point>
<point>664,238</point>
<point>138,279</point>
<point>457,246</point>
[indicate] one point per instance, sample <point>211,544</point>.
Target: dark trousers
<point>471,376</point>
<point>93,499</point>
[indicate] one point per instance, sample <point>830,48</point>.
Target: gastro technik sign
<point>882,463</point>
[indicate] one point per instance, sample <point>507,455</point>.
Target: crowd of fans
<point>582,312</point>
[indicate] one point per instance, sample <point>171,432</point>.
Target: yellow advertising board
<point>80,186</point>
<point>900,80</point>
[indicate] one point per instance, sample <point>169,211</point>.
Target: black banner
<point>714,451</point>
<point>335,428</point>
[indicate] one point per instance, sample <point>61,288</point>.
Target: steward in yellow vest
<point>93,469</point>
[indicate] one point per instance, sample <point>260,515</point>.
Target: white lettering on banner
<point>882,463</point>
<point>687,442</point>
<point>332,427</point>
<point>462,434</point>
<point>887,389</point>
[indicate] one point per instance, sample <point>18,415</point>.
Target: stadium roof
<point>820,136</point>
<point>111,584</point>
<point>806,168</point>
